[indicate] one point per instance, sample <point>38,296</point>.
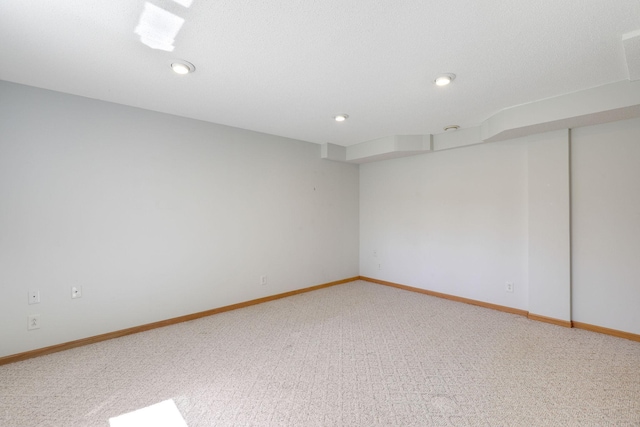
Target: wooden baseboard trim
<point>129,331</point>
<point>123,332</point>
<point>449,297</point>
<point>606,331</point>
<point>553,321</point>
<point>525,313</point>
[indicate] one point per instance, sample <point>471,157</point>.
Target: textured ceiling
<point>285,67</point>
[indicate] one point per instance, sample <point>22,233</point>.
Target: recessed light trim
<point>340,117</point>
<point>451,128</point>
<point>444,79</point>
<point>182,67</point>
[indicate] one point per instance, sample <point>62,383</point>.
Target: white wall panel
<point>155,216</point>
<point>453,221</point>
<point>549,225</point>
<point>606,225</point>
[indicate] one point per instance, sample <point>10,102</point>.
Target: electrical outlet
<point>263,280</point>
<point>379,266</point>
<point>375,253</point>
<point>34,297</point>
<point>509,287</point>
<point>76,292</point>
<point>33,322</point>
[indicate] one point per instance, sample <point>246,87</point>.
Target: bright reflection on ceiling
<point>163,414</point>
<point>158,28</point>
<point>185,3</point>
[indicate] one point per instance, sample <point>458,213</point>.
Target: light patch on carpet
<point>163,414</point>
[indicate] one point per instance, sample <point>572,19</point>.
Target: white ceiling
<point>285,67</point>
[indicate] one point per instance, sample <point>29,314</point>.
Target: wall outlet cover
<point>34,297</point>
<point>76,292</point>
<point>33,322</point>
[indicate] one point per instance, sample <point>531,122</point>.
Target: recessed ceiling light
<point>451,127</point>
<point>341,117</point>
<point>183,67</point>
<point>444,79</point>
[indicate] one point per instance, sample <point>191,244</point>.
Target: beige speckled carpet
<point>357,354</point>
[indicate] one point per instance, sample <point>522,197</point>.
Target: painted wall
<point>549,232</point>
<point>556,213</point>
<point>155,216</point>
<point>451,221</point>
<point>606,225</point>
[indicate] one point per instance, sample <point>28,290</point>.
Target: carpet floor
<point>358,354</point>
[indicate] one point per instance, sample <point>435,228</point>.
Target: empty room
<point>319,213</point>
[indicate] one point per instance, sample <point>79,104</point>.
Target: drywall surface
<point>549,225</point>
<point>606,225</point>
<point>452,221</point>
<point>155,216</point>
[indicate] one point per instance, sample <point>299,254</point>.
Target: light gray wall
<point>606,225</point>
<point>451,221</point>
<point>549,233</point>
<point>158,216</point>
<point>155,216</point>
<point>560,219</point>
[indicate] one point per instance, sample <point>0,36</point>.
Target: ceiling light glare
<point>341,117</point>
<point>158,28</point>
<point>183,67</point>
<point>444,79</point>
<point>185,3</point>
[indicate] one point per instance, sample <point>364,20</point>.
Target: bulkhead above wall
<point>603,104</point>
